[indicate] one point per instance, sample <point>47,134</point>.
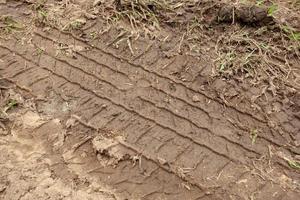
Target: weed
<point>295,36</point>
<point>292,35</point>
<point>143,13</point>
<point>293,164</point>
<point>272,9</point>
<point>75,25</point>
<point>39,51</point>
<point>260,2</point>
<point>233,62</point>
<point>11,24</point>
<point>42,16</point>
<point>11,104</point>
<point>264,46</point>
<point>94,35</point>
<point>253,60</point>
<point>253,136</point>
<point>227,61</point>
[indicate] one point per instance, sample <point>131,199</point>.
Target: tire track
<point>125,74</point>
<point>169,127</point>
<point>169,168</point>
<point>155,88</point>
<point>143,116</point>
<point>188,138</point>
<point>88,88</point>
<point>155,107</point>
<point>148,137</point>
<point>127,109</point>
<point>160,76</point>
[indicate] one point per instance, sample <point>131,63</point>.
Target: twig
<point>79,144</point>
<point>180,44</point>
<point>130,47</point>
<point>233,15</point>
<point>122,34</point>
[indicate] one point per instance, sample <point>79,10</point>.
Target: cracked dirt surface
<point>90,116</point>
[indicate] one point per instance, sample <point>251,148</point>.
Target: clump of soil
<point>251,15</point>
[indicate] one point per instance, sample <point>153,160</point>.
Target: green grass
<point>39,51</point>
<point>227,61</point>
<point>294,164</point>
<point>75,25</point>
<point>272,9</point>
<point>144,13</point>
<point>253,136</point>
<point>292,34</point>
<point>11,25</point>
<point>260,2</point>
<point>42,16</point>
<point>11,104</point>
<point>93,34</point>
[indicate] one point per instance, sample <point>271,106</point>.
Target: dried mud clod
<point>109,150</point>
<point>251,15</point>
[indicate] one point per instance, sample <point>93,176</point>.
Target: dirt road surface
<point>149,101</point>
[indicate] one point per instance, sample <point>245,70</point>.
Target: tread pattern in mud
<point>198,142</point>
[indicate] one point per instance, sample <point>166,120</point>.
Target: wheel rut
<point>194,142</point>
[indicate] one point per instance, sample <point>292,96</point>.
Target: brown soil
<point>140,100</point>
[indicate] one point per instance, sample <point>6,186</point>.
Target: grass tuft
<point>12,103</point>
<point>294,164</point>
<point>10,24</point>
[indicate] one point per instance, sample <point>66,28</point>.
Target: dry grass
<point>10,25</point>
<point>260,54</point>
<point>144,15</point>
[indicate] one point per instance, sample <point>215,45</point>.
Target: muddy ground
<point>149,100</point>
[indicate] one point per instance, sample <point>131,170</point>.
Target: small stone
<point>90,16</point>
<point>162,161</point>
<point>195,98</point>
<point>78,48</point>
